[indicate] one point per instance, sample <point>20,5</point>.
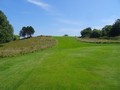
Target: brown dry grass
<point>93,40</point>
<point>24,46</point>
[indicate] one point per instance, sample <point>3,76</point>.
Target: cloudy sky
<point>59,17</point>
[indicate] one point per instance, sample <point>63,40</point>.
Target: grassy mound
<point>26,45</point>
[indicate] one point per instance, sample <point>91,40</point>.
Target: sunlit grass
<point>70,65</point>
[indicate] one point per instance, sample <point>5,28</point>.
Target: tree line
<point>106,31</point>
<point>7,31</point>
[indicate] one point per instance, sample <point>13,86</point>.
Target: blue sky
<point>59,17</point>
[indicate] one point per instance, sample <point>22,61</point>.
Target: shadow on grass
<point>1,45</point>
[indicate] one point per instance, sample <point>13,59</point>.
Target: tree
<point>86,32</point>
<point>66,35</point>
<point>106,30</point>
<point>23,32</point>
<point>30,31</point>
<point>27,32</point>
<point>96,33</point>
<point>115,31</point>
<point>6,29</point>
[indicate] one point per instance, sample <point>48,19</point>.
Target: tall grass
<point>94,40</point>
<point>24,46</point>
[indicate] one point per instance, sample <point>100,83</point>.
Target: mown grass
<point>70,65</point>
<point>24,46</point>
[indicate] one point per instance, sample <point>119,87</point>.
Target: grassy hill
<point>24,46</point>
<point>70,65</point>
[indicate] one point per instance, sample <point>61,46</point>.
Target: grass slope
<point>70,65</point>
<point>24,46</point>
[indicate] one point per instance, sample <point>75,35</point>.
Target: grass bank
<point>24,46</point>
<point>99,41</point>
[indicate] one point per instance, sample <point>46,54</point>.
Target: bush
<point>86,32</point>
<point>96,33</point>
<point>66,35</point>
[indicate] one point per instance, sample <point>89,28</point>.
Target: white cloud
<point>41,4</point>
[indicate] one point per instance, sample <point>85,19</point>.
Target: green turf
<point>70,65</point>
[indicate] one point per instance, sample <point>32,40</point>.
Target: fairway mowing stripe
<point>70,65</point>
<point>22,80</point>
<point>29,73</point>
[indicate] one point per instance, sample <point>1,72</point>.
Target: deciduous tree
<point>96,33</point>
<point>6,29</point>
<point>106,30</point>
<point>115,29</point>
<point>86,32</point>
<point>27,32</point>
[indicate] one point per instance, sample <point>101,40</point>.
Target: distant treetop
<point>27,32</point>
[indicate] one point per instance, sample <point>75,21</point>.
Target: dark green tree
<point>86,32</point>
<point>27,32</point>
<point>23,32</point>
<point>6,29</point>
<point>30,31</point>
<point>115,31</point>
<point>96,33</point>
<point>106,30</point>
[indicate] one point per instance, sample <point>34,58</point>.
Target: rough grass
<point>26,46</point>
<point>93,40</point>
<point>70,65</point>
